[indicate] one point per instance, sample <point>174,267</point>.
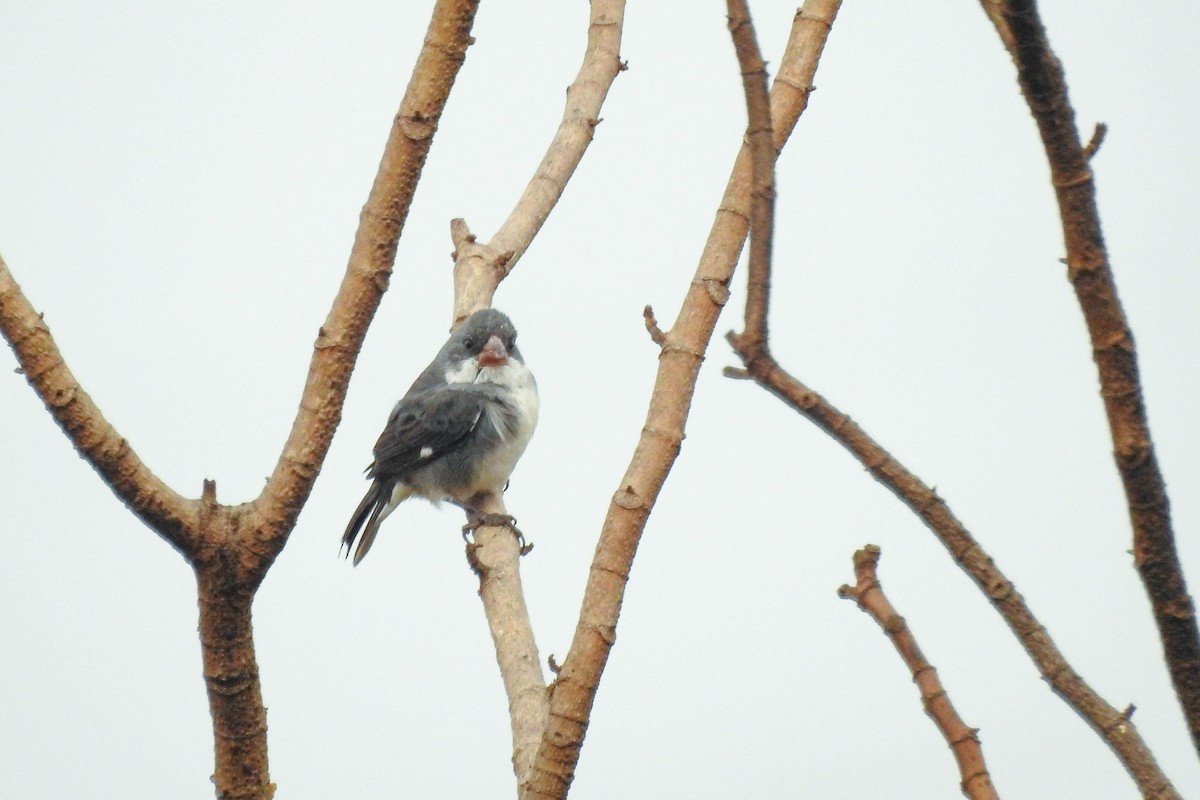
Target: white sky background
<point>179,186</point>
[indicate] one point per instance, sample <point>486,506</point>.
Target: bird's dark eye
<point>469,343</point>
<point>512,341</point>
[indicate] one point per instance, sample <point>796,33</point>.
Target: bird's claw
<point>478,520</point>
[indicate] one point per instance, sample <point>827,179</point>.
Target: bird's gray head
<point>487,338</point>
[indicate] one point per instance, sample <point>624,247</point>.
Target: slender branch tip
<point>656,333</point>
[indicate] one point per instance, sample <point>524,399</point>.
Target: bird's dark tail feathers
<point>370,510</point>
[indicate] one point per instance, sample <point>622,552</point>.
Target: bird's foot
<point>478,520</point>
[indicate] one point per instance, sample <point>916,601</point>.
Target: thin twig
<point>1118,732</point>
<point>762,159</point>
<point>963,740</point>
<point>1043,84</point>
<point>573,693</point>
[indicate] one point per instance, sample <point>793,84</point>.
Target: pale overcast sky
<point>179,186</point>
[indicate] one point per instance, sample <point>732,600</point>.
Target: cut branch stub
<point>478,271</point>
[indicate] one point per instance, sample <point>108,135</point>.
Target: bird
<point>458,432</point>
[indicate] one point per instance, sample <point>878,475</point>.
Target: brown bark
<point>1043,84</point>
<point>367,276</point>
<point>760,140</point>
<point>232,547</point>
<point>231,678</point>
<point>172,516</point>
<point>963,740</point>
<point>1114,727</point>
<point>573,693</point>
<point>478,269</point>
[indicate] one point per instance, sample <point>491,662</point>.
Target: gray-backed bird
<point>458,432</point>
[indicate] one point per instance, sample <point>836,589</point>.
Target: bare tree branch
<point>495,556</point>
<point>1044,86</point>
<point>367,275</point>
<point>1115,728</point>
<point>243,541</point>
<point>479,268</point>
<point>232,547</point>
<point>762,158</point>
<point>963,741</point>
<point>573,692</point>
<point>167,513</point>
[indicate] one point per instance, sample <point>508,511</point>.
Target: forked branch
<point>1111,725</point>
<point>1114,727</point>
<point>478,269</point>
<point>963,740</point>
<point>232,547</point>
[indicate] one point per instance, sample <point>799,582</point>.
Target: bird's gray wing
<point>425,427</point>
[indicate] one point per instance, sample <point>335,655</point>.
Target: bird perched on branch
<point>458,432</point>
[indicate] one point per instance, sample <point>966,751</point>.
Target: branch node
<point>718,292</point>
<point>1077,179</point>
<point>628,499</point>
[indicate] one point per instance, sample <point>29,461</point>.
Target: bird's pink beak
<point>493,354</point>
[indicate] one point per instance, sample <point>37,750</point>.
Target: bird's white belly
<point>495,468</point>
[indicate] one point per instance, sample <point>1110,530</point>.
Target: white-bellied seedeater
<point>458,432</point>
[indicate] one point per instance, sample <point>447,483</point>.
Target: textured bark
<point>573,693</point>
<point>368,273</point>
<point>760,141</point>
<point>232,547</point>
<point>172,516</point>
<point>963,740</point>
<point>1113,726</point>
<point>231,676</point>
<point>495,555</point>
<point>479,268</point>
<point>1044,86</point>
